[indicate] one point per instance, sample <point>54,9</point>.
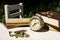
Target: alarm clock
<point>36,23</point>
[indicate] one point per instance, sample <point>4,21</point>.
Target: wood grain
<point>16,25</point>
<point>18,20</point>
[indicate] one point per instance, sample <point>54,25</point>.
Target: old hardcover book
<point>52,18</point>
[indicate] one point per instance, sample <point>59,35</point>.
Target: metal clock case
<point>36,23</point>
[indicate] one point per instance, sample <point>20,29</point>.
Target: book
<point>51,18</point>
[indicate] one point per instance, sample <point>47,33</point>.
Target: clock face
<point>36,23</point>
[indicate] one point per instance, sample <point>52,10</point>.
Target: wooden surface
<point>18,20</point>
<point>15,25</point>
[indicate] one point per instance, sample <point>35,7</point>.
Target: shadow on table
<point>44,29</point>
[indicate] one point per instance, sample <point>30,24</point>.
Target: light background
<point>49,35</point>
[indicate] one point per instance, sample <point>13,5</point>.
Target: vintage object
<point>14,15</point>
<point>18,22</point>
<point>36,23</point>
<point>20,33</point>
<point>51,18</point>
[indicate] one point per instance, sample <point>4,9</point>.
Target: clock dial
<point>36,23</point>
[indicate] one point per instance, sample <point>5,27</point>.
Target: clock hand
<point>34,24</point>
